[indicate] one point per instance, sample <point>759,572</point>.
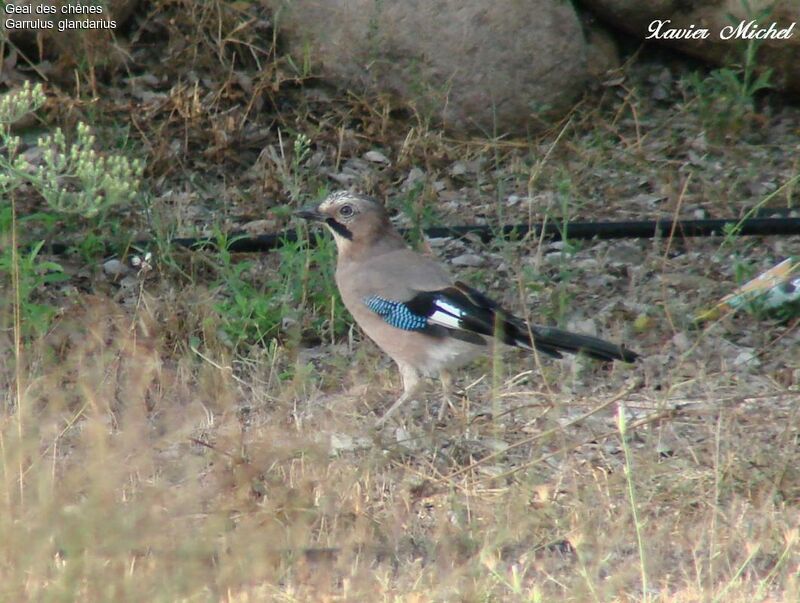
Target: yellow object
<point>774,287</point>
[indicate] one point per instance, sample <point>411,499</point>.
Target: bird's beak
<point>310,213</point>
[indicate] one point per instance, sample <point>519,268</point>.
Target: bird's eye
<point>346,211</point>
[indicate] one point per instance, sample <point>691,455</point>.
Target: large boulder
<point>76,31</point>
<point>723,44</point>
<point>470,65</point>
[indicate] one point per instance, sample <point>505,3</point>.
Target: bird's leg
<point>411,382</point>
<point>447,382</point>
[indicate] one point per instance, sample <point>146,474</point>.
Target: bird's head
<point>358,223</point>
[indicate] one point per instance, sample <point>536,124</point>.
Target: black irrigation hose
<point>551,230</point>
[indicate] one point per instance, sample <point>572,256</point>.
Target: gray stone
<point>58,38</point>
<point>468,259</point>
<point>469,65</point>
<point>782,55</point>
<point>115,269</point>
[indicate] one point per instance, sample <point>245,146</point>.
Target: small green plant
<point>15,168</point>
<point>76,180</point>
<point>743,270</point>
<point>256,308</point>
<point>72,179</point>
<point>726,97</point>
<point>247,313</point>
<point>33,273</point>
<point>302,71</point>
<point>562,297</point>
<point>293,172</point>
<point>422,215</point>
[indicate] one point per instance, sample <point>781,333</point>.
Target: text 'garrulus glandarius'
<point>412,308</point>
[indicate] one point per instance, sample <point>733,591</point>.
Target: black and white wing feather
<point>469,314</point>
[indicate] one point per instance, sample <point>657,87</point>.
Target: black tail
<point>552,341</point>
<point>473,312</point>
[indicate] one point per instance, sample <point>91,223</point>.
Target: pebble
<point>681,341</point>
<point>376,157</point>
<point>115,268</point>
<point>467,259</point>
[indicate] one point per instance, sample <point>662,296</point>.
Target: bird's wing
<point>460,309</point>
<point>469,314</point>
<point>413,292</point>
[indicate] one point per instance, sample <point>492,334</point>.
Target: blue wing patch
<point>396,314</point>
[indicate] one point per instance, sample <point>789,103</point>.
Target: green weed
<point>73,179</point>
<point>422,214</point>
<point>561,298</point>
<point>299,297</point>
<point>726,97</point>
<point>30,273</point>
<point>293,171</point>
<point>96,182</point>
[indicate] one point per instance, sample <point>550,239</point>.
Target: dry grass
<point>142,460</point>
<point>132,471</point>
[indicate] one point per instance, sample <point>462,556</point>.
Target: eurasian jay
<point>414,311</point>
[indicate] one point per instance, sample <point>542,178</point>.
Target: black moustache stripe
<point>339,229</point>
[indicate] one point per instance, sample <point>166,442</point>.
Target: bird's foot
<point>446,403</point>
<point>449,400</point>
<point>381,422</point>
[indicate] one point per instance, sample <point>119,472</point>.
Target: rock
<point>97,44</point>
<point>747,357</point>
<point>587,326</point>
<point>259,227</point>
<point>459,168</point>
<point>467,259</point>
<point>602,52</point>
<point>470,65</point>
<point>405,440</point>
<point>681,341</point>
<point>115,268</point>
<point>343,442</point>
<point>376,157</point>
<point>415,175</point>
<point>641,18</point>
